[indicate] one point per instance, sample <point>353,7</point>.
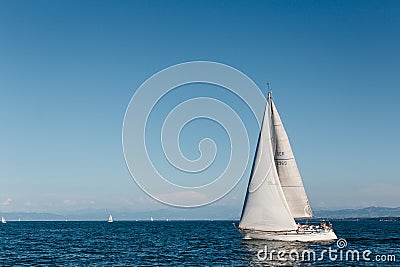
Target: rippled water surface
<point>175,243</point>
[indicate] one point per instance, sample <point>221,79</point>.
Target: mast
<point>269,93</point>
<point>273,133</point>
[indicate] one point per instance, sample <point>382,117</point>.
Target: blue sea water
<point>183,243</point>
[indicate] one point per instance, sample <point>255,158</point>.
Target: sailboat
<point>275,194</point>
<point>3,220</point>
<point>110,219</point>
<point>151,219</point>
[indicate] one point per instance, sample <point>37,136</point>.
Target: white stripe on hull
<point>291,236</point>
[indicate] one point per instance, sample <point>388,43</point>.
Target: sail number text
<point>281,163</point>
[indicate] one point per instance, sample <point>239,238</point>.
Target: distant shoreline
<point>313,220</point>
<point>210,214</point>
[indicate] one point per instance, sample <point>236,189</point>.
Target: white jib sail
<point>289,175</point>
<point>265,207</point>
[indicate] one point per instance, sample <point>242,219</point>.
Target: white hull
<point>291,236</point>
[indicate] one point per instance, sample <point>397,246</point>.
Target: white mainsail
<point>3,220</point>
<point>265,207</point>
<point>289,175</point>
<point>110,219</point>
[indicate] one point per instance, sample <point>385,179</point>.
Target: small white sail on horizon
<point>110,219</point>
<point>151,219</point>
<point>3,220</point>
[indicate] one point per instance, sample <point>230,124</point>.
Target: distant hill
<point>205,213</point>
<point>32,216</point>
<point>370,212</point>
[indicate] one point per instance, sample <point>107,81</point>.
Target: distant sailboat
<point>3,220</point>
<point>151,219</point>
<point>275,194</point>
<point>110,219</point>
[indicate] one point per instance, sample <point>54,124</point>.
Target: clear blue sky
<point>69,68</point>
